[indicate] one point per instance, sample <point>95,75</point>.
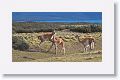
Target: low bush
<point>30,27</point>
<point>19,43</point>
<point>87,29</point>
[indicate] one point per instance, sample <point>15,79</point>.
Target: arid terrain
<point>74,49</point>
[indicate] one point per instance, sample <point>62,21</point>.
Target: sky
<point>95,17</point>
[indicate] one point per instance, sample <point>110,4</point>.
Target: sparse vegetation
<point>26,48</point>
<point>31,27</point>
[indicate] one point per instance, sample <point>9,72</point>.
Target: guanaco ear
<point>53,31</point>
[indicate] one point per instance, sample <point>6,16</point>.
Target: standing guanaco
<point>55,40</point>
<point>87,42</point>
<point>46,36</point>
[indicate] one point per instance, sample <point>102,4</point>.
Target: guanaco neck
<point>78,39</point>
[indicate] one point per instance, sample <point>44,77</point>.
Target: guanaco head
<point>53,32</point>
<point>79,38</point>
<point>39,37</point>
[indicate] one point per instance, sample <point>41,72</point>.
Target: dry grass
<point>20,56</point>
<point>74,50</point>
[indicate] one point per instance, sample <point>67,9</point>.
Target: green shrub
<point>23,46</point>
<point>87,29</point>
<point>19,43</point>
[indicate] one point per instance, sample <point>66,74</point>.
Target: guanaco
<point>87,42</point>
<point>46,36</point>
<point>55,40</point>
<point>58,41</point>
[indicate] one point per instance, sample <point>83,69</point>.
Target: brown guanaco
<point>87,42</point>
<point>55,40</point>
